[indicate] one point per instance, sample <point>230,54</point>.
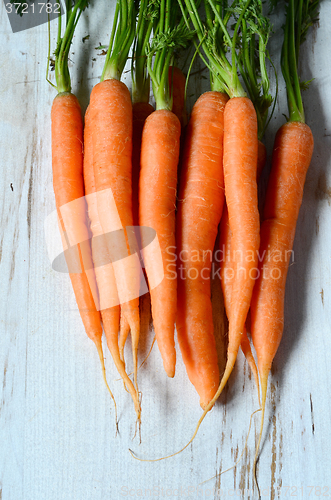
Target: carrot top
<point>121,39</point>
<point>300,15</point>
<point>73,13</point>
<point>170,34</point>
<point>254,34</point>
<point>216,41</point>
<point>246,40</point>
<point>140,77</point>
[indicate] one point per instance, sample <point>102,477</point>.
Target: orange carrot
<point>158,177</point>
<point>240,164</point>
<point>111,124</point>
<point>292,154</point>
<point>109,302</point>
<point>227,265</point>
<point>157,204</point>
<point>140,111</point>
<point>200,205</point>
<point>67,164</point>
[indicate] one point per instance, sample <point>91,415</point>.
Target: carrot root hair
<point>228,369</point>
<point>241,454</point>
<point>264,386</point>
<point>98,345</point>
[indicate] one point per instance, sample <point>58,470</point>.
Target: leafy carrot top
<point>236,48</point>
<point>73,13</point>
<point>121,39</point>
<point>300,15</point>
<point>169,34</point>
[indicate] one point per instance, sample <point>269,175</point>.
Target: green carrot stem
<point>289,67</point>
<point>62,76</point>
<point>170,34</point>
<point>122,37</point>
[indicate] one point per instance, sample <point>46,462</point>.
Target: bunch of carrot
<point>127,173</point>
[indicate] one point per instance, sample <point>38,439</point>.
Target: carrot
<point>239,163</point>
<point>241,124</point>
<point>200,208</point>
<point>111,124</point>
<point>158,179</point>
<point>141,109</point>
<point>227,264</point>
<point>109,302</point>
<point>292,152</point>
<point>67,165</point>
<point>201,187</point>
<point>159,160</point>
<point>260,97</point>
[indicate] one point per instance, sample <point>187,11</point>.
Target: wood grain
<point>57,430</point>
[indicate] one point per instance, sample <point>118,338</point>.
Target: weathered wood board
<point>57,429</point>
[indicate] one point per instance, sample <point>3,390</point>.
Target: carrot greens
<point>73,13</point>
<point>300,15</point>
<point>255,31</point>
<point>170,34</point>
<point>216,41</point>
<point>121,39</point>
<point>140,77</point>
<point>245,42</point>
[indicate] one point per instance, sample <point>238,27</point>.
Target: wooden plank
<point>56,418</point>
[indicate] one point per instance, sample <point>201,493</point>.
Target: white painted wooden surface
<point>57,429</point>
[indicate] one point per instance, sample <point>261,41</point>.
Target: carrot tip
<point>264,385</point>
